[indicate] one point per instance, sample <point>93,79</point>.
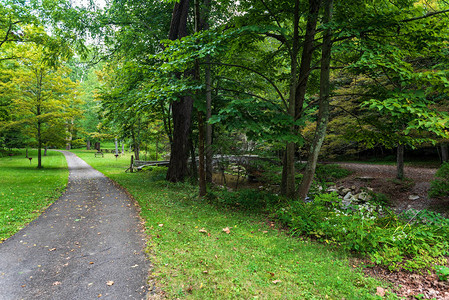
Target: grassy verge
<point>26,191</point>
<point>204,251</point>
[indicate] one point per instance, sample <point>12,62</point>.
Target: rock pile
<point>351,196</point>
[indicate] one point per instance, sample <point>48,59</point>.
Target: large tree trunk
<point>298,89</point>
<point>182,108</point>
<point>400,162</point>
<point>323,113</point>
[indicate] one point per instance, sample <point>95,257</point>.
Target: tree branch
<point>254,71</point>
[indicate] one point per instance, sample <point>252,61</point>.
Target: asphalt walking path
<point>88,245</point>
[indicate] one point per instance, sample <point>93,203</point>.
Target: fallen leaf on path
<point>110,282</point>
<point>227,230</point>
<point>380,291</point>
<point>56,283</point>
<point>52,249</point>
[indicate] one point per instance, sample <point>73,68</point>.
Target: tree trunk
<point>298,89</point>
<point>45,150</point>
<point>136,146</point>
<point>182,108</point>
<point>323,113</point>
<point>88,145</point>
<point>444,153</point>
<point>208,79</point>
<point>400,162</point>
<point>288,172</point>
<point>39,144</point>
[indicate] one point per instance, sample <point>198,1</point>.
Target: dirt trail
<point>382,179</point>
<point>87,245</point>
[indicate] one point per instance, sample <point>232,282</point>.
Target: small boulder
<point>413,197</point>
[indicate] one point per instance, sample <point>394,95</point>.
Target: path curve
<point>384,176</point>
<point>89,244</point>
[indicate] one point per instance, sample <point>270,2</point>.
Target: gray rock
<point>363,196</point>
<point>413,197</point>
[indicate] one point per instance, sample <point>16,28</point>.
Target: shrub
<point>330,172</point>
<point>387,239</point>
<point>440,186</point>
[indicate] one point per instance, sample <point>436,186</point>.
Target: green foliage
<point>388,240</point>
<point>442,272</point>
<point>425,217</point>
<point>330,172</point>
<point>440,185</point>
<point>379,199</point>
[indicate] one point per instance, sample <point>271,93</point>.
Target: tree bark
<point>201,125</point>
<point>182,108</point>
<point>400,162</point>
<point>288,171</point>
<point>208,81</point>
<point>88,145</point>
<point>39,139</point>
<point>298,88</point>
<point>323,113</point>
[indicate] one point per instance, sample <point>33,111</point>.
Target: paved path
<point>87,245</point>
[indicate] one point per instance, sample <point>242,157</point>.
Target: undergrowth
<point>440,186</point>
<point>413,242</point>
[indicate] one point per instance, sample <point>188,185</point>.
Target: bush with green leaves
<point>440,186</point>
<point>442,272</point>
<point>385,238</point>
<point>330,172</point>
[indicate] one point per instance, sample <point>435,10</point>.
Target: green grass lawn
<point>195,259</point>
<point>26,191</point>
